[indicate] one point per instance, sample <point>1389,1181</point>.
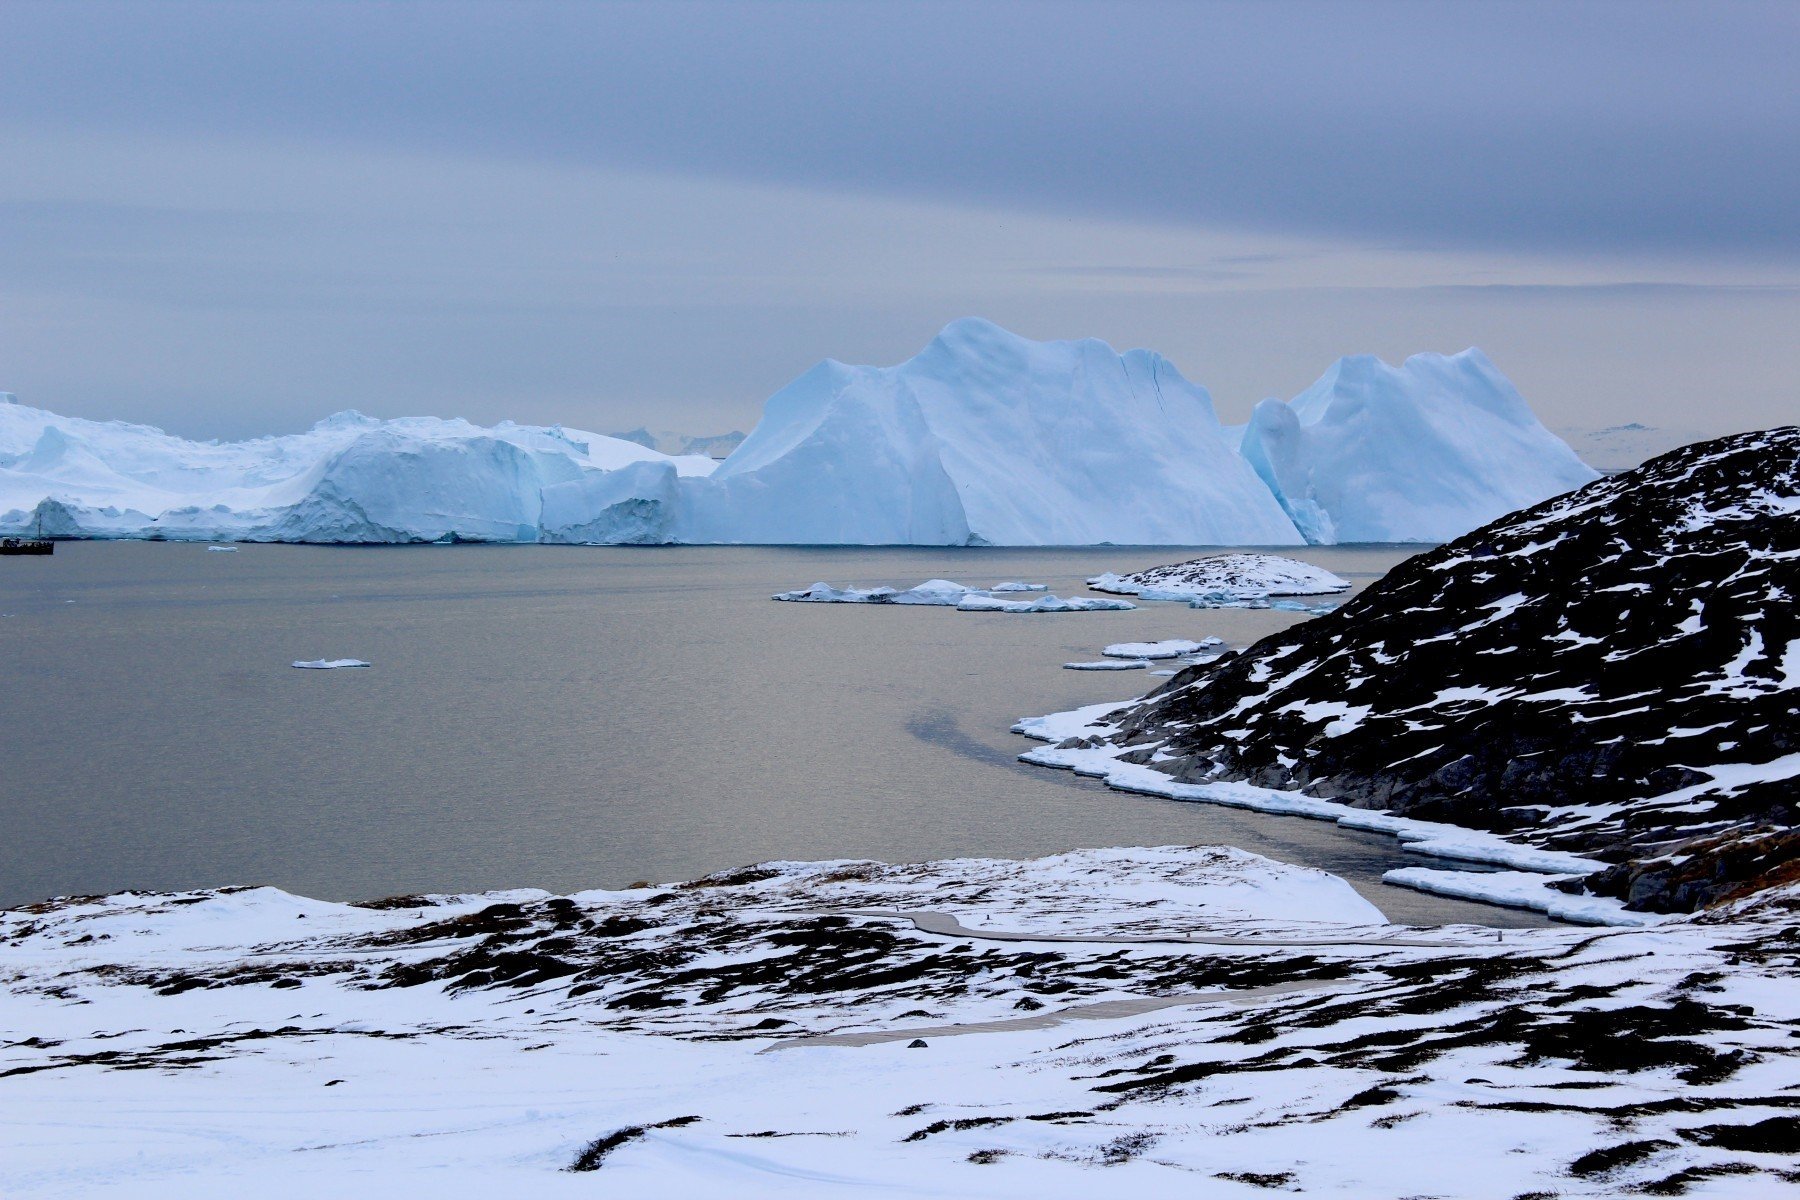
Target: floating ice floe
<point>938,592</point>
<point>223,549</point>
<point>1521,889</point>
<point>977,602</point>
<point>944,593</point>
<point>1110,664</point>
<point>331,664</point>
<point>1170,648</point>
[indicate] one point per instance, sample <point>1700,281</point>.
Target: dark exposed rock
<point>1614,672</point>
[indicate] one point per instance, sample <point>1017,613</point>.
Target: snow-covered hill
<point>983,438</point>
<point>1613,673</point>
<point>1173,1022</point>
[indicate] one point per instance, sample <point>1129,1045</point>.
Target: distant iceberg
<point>1423,452</point>
<point>983,438</point>
<point>987,438</point>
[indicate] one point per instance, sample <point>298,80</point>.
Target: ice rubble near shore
<point>749,1035</point>
<point>983,438</point>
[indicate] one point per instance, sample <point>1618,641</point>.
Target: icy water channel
<point>570,718</point>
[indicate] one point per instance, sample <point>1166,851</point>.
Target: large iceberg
<point>1423,452</point>
<point>986,438</point>
<point>350,478</point>
<point>983,438</point>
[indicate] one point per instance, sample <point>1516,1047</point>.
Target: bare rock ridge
<point>1614,672</point>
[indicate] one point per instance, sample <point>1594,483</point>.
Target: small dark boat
<point>38,544</point>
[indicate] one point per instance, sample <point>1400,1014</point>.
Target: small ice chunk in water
<point>1110,664</point>
<point>976,602</point>
<point>941,592</point>
<point>329,664</point>
<point>1016,586</point>
<point>223,549</point>
<point>1171,648</point>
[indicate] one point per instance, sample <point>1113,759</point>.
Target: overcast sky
<point>231,219</point>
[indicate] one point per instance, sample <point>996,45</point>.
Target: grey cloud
<point>1519,125</point>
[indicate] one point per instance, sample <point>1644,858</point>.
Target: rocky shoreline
<point>1614,673</point>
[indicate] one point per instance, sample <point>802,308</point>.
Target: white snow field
<point>1423,452</point>
<point>1129,1022</point>
<point>983,438</point>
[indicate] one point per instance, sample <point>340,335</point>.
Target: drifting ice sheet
<point>1171,648</point>
<point>1043,604</point>
<point>331,664</point>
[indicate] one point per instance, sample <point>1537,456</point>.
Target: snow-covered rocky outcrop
<point>1607,685</point>
<point>1423,452</point>
<point>983,438</point>
<point>1224,578</point>
<point>1127,1022</point>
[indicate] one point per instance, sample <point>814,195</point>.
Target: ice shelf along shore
<point>1130,1022</point>
<point>983,438</point>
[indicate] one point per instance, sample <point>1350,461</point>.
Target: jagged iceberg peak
<point>988,437</point>
<point>348,418</point>
<point>1422,452</point>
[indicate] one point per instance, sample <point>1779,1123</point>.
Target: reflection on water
<point>568,718</point>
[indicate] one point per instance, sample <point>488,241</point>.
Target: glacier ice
<point>983,438</point>
<point>1422,452</point>
<point>987,438</point>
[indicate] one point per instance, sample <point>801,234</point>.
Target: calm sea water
<point>568,718</point>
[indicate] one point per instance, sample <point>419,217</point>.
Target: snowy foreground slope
<point>752,1035</point>
<point>1606,685</point>
<point>983,438</point>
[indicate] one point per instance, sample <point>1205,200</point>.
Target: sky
<point>233,219</point>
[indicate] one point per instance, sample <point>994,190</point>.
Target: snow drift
<point>983,438</point>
